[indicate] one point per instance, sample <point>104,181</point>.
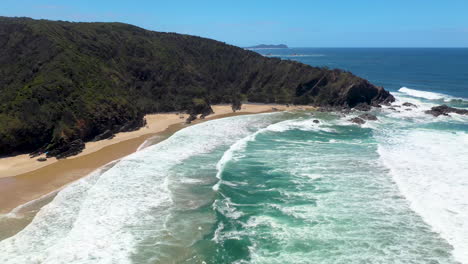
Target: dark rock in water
<point>408,109</point>
<point>345,111</point>
<point>357,120</point>
<point>362,107</point>
<point>368,116</point>
<point>445,110</point>
<point>375,104</point>
<point>409,105</point>
<point>42,159</point>
<point>392,108</point>
<point>316,121</point>
<point>387,103</point>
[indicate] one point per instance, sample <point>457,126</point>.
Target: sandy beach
<point>23,179</point>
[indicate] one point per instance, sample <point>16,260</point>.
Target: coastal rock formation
<point>362,107</point>
<point>368,116</point>
<point>357,120</point>
<point>66,148</point>
<point>409,105</point>
<point>236,104</point>
<point>62,82</point>
<point>445,110</point>
<point>105,135</point>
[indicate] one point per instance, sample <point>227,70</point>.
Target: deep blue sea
<point>436,70</point>
<point>281,188</point>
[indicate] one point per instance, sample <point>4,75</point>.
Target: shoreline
<point>30,179</point>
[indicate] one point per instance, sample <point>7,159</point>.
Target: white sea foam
<point>301,124</point>
<point>423,94</point>
<point>431,170</point>
<point>429,95</point>
<point>229,154</point>
<point>104,217</point>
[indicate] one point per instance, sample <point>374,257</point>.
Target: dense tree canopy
<point>61,81</point>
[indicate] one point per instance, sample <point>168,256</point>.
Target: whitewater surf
<point>271,188</point>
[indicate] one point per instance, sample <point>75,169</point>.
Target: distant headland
<point>266,46</point>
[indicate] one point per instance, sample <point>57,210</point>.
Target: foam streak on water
<point>431,170</point>
<point>271,188</point>
<point>102,218</point>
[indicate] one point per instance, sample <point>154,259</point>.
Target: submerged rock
<point>445,110</point>
<point>357,120</point>
<point>407,104</point>
<point>367,116</point>
<point>316,121</point>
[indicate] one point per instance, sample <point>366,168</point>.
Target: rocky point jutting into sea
<point>64,83</point>
<point>338,170</point>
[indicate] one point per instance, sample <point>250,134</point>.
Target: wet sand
<point>39,181</point>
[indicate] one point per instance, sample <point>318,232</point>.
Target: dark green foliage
<point>62,81</point>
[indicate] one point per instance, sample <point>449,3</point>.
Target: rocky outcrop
<point>357,120</point>
<point>445,110</point>
<point>368,116</point>
<point>65,149</point>
<point>199,107</point>
<point>61,81</point>
<point>363,107</point>
<point>366,93</point>
<point>407,104</point>
<point>236,104</point>
<point>105,135</point>
<point>190,119</point>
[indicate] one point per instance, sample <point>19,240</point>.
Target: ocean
<point>282,187</point>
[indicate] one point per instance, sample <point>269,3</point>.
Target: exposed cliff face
<point>62,81</point>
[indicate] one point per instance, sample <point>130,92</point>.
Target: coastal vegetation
<point>64,83</point>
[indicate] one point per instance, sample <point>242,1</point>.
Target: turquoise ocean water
<point>281,188</point>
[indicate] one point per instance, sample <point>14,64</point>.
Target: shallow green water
<point>269,188</point>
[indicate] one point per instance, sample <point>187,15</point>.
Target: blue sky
<point>300,23</point>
